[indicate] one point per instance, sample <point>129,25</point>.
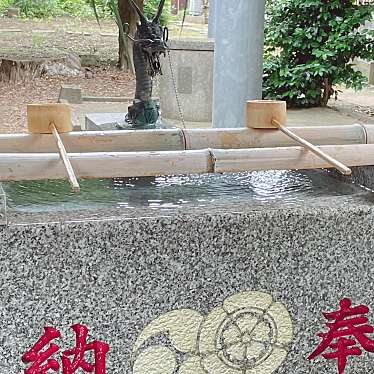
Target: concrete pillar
<point>238,61</point>
<point>212,19</point>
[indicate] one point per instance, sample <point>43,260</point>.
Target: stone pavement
<point>364,97</point>
<point>358,104</point>
<point>80,110</point>
<point>302,117</point>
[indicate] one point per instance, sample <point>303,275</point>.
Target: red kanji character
<point>81,346</point>
<point>342,326</point>
<point>39,358</point>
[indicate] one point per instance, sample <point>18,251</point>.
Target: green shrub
<point>150,8</point>
<point>102,7</point>
<point>5,4</point>
<point>38,8</point>
<point>54,8</point>
<point>78,8</point>
<point>310,46</point>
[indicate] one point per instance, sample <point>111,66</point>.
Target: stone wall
<point>192,63</point>
<point>367,67</point>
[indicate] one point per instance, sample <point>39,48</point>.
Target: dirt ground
<point>105,81</point>
<point>49,38</point>
<point>357,104</point>
<point>20,38</point>
<point>35,38</point>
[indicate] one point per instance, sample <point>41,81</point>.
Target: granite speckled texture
<point>118,275</point>
<point>3,207</point>
<point>361,175</point>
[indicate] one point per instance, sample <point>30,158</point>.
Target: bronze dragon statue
<point>149,44</point>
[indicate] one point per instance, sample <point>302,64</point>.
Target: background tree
<point>310,46</point>
<point>129,17</point>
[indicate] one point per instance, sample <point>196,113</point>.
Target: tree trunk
<point>18,70</point>
<point>129,17</point>
<point>327,91</point>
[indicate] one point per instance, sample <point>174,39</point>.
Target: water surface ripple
<point>177,192</point>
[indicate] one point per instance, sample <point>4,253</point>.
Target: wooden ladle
<point>53,119</point>
<point>268,114</point>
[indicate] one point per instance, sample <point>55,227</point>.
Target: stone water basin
<point>173,194</point>
<point>172,272</point>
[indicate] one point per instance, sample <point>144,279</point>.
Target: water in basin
<point>177,192</point>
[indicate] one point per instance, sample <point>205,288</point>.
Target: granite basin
<point>167,289</point>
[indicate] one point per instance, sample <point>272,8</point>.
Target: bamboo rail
<point>131,164</point>
<point>187,139</point>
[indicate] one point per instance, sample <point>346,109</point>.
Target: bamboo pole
<point>190,139</point>
<point>40,166</point>
<point>99,141</point>
<point>264,138</point>
<point>290,158</point>
<point>131,164</point>
<point>335,163</point>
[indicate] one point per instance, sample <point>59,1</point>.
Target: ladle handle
<point>332,161</point>
<point>65,159</point>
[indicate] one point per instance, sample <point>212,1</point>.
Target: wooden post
<point>52,119</point>
<point>264,114</point>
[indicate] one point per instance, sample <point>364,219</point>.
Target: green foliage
<point>77,8</point>
<point>150,9</point>
<point>310,48</point>
<point>102,7</point>
<point>5,4</point>
<point>38,8</point>
<point>55,8</point>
